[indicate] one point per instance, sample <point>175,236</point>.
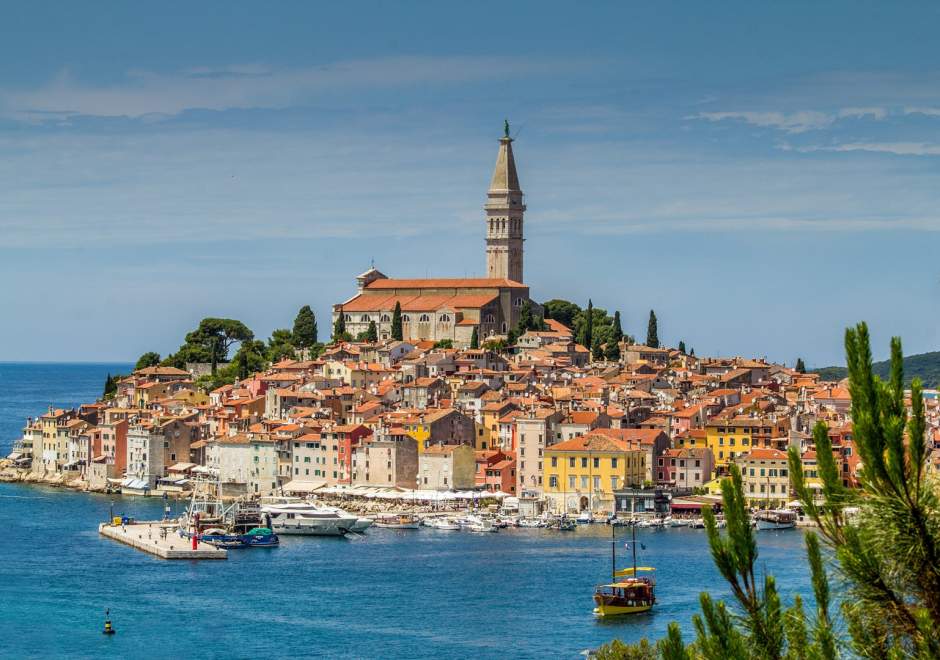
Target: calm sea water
<point>410,594</point>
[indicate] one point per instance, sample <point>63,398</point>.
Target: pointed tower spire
<point>504,216</point>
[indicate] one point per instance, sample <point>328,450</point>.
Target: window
<point>597,483</point>
<point>553,481</point>
<point>444,318</point>
<point>489,318</point>
<point>405,318</point>
<point>386,318</point>
<point>571,462</point>
<point>518,302</point>
<point>349,317</point>
<point>571,485</point>
<point>613,463</point>
<point>554,461</point>
<point>584,461</point>
<point>597,462</point>
<point>584,483</point>
<point>424,318</point>
<point>364,318</point>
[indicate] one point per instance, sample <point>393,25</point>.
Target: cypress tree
<point>682,347</point>
<point>587,333</point>
<point>397,332</point>
<point>800,366</point>
<point>372,334</point>
<point>339,327</point>
<point>305,328</point>
<point>474,338</point>
<point>652,332</point>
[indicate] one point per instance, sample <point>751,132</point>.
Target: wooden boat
<point>627,593</point>
<point>397,521</point>
<point>775,519</point>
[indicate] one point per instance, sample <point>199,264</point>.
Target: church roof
<point>446,283</point>
<point>412,303</point>
<point>504,175</point>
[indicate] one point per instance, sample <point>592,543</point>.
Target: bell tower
<point>504,212</point>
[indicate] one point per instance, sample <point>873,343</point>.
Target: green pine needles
<point>882,541</point>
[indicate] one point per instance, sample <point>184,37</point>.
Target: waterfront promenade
<point>159,539</point>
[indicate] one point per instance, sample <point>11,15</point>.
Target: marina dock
<point>148,536</point>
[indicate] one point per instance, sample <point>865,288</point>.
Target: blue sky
<point>762,174</point>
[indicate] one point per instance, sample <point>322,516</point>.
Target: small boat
<point>260,537</point>
<point>218,538</point>
<point>674,522</point>
<point>775,519</point>
<point>397,521</point>
<point>697,523</point>
<point>627,593</point>
<point>473,523</point>
<point>445,524</point>
<point>585,518</point>
<point>563,524</point>
<point>531,522</point>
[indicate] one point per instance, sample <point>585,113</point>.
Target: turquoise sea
<point>401,594</point>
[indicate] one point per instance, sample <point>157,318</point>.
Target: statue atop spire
<point>506,128</point>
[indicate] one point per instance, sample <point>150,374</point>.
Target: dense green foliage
<point>281,344</point>
<point>110,387</point>
<point>305,328</point>
<point>652,331</point>
<point>562,311</point>
<point>585,327</point>
<point>444,343</point>
<point>887,555</point>
<point>800,366</point>
<point>925,366</point>
<point>148,359</point>
<point>339,328</point>
<point>474,339</point>
<point>612,352</point>
<point>210,342</point>
<point>397,332</point>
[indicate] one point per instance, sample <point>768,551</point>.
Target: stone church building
<point>437,309</point>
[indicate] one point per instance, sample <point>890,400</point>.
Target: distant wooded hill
<point>925,366</point>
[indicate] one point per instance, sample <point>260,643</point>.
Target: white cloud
<point>897,148</point>
<point>794,122</point>
<point>926,111</point>
<point>146,93</point>
<point>860,113</point>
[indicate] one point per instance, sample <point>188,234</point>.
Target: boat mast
<point>634,550</point>
<point>613,552</point>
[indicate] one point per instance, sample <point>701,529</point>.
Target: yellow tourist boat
<point>627,592</point>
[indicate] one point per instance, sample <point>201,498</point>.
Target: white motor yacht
<point>309,519</point>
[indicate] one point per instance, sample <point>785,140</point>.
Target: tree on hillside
<point>474,339</point>
<point>652,331</point>
<point>305,328</point>
<point>148,359</point>
<point>587,327</point>
<point>692,352</point>
<point>682,347</point>
<point>397,331</point>
<point>444,343</point>
<point>614,338</point>
<point>339,327</point>
<point>886,553</point>
<point>800,367</point>
<point>110,387</point>
<point>597,351</point>
<point>281,344</point>
<point>562,311</point>
<point>210,342</point>
<point>372,334</point>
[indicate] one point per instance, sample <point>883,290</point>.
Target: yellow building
<point>730,437</point>
<point>765,477</point>
<point>583,473</point>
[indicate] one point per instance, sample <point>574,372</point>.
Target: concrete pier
<point>147,536</point>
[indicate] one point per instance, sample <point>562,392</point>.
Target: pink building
<point>690,467</point>
<point>496,471</point>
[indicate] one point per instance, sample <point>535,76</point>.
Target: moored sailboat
<point>627,593</point>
